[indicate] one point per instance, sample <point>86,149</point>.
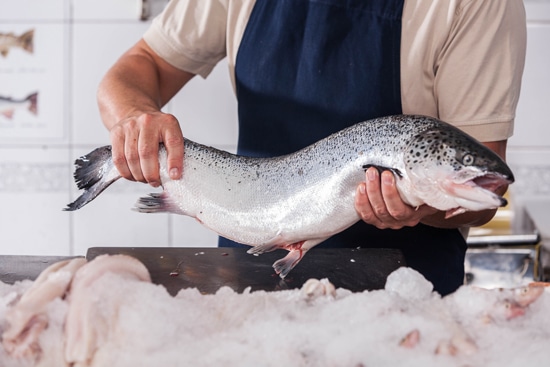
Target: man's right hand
<point>130,98</point>
<point>135,144</point>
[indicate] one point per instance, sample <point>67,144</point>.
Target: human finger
<point>374,193</point>
<point>118,138</point>
<point>395,206</point>
<point>131,150</point>
<point>173,141</point>
<point>363,206</point>
<point>148,150</point>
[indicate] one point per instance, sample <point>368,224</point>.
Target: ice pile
<point>125,321</point>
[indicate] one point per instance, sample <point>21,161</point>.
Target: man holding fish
<point>303,70</point>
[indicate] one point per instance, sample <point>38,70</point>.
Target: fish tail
<point>33,105</point>
<point>156,203</point>
<point>94,173</point>
<point>26,40</point>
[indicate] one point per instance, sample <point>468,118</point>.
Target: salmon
<point>297,201</point>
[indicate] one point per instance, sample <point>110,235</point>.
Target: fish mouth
<point>477,192</point>
<point>492,182</point>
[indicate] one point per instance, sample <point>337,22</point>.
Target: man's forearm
<point>140,81</point>
<point>131,85</point>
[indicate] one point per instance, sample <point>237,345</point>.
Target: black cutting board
<point>208,269</point>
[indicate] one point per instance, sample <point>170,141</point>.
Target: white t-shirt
<point>461,60</point>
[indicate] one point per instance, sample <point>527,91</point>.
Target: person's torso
<point>306,69</point>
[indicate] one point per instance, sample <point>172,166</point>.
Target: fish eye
<point>468,159</point>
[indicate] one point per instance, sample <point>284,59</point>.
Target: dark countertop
<point>207,269</point>
<point>14,268</point>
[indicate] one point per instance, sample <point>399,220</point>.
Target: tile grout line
<point>68,113</point>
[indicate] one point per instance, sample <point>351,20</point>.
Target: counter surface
<point>207,269</point>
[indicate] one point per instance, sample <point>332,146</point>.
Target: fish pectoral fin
<point>381,169</point>
<point>455,211</point>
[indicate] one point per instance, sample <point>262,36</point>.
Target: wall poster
<point>32,82</point>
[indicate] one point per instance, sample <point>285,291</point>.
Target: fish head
<point>452,171</point>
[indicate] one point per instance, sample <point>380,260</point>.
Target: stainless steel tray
<point>502,267</point>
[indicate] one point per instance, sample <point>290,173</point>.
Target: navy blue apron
<point>306,69</point>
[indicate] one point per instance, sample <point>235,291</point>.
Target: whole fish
<point>8,105</point>
<point>10,40</point>
<point>298,200</point>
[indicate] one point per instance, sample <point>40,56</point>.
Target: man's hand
<point>135,144</point>
<point>130,97</point>
<point>378,203</point>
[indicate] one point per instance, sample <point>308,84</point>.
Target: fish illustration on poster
<point>10,40</point>
<point>32,82</point>
<point>9,105</point>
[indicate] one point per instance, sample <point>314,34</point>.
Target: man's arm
<point>130,99</point>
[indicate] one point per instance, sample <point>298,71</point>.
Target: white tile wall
<point>34,10</point>
<point>107,10</point>
<point>94,50</point>
<point>535,91</point>
<point>36,163</point>
<point>87,36</point>
<point>33,189</point>
<point>207,109</point>
<point>529,148</point>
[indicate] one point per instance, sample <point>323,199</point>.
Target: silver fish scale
<point>247,195</point>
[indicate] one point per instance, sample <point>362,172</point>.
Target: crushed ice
<point>406,324</point>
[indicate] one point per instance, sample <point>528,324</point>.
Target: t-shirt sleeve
<point>190,34</point>
<point>478,71</point>
<point>462,61</point>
